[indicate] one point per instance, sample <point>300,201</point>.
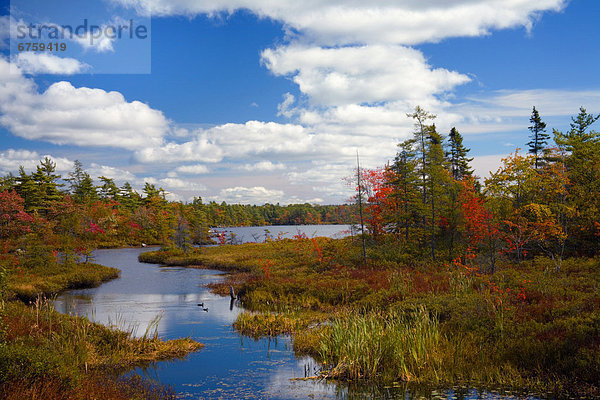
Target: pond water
<point>230,366</point>
<point>245,234</point>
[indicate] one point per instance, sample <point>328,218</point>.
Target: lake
<point>258,234</point>
<point>230,366</point>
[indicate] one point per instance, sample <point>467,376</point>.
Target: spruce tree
<point>457,156</point>
<point>539,138</point>
<point>405,187</point>
<point>81,184</point>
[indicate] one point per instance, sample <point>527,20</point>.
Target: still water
<point>230,366</point>
<point>258,234</point>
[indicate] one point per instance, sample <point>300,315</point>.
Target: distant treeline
<point>42,213</point>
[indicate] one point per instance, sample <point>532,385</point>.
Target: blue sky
<point>246,101</point>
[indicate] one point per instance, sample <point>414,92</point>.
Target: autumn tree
<point>581,145</point>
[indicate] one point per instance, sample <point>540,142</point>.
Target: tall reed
<point>383,346</point>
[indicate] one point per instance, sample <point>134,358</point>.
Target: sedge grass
<point>382,346</point>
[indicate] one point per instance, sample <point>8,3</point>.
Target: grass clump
<point>383,346</point>
<point>257,324</point>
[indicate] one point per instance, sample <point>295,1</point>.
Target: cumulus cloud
<point>360,74</point>
<point>175,184</point>
<point>197,169</point>
<point>118,174</point>
<point>262,166</point>
<point>254,138</point>
<point>342,22</point>
<point>64,114</point>
<point>198,149</point>
<point>46,63</point>
<point>251,195</point>
<point>11,160</point>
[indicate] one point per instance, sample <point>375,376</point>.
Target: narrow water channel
<point>229,366</point>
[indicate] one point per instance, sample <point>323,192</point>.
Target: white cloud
<point>45,63</point>
<point>262,166</point>
<point>285,107</point>
<point>513,103</point>
<point>252,195</point>
<point>118,174</point>
<point>342,22</point>
<point>361,74</point>
<point>99,41</point>
<point>198,149</point>
<point>175,184</point>
<point>11,160</point>
<point>82,116</point>
<point>254,138</point>
<point>197,169</point>
<point>482,165</point>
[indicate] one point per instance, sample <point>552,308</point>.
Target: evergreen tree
<point>46,189</point>
<point>129,197</point>
<point>109,190</point>
<point>81,184</point>
<point>420,134</point>
<point>582,146</point>
<point>539,138</point>
<point>435,171</point>
<point>457,156</point>
<point>405,183</point>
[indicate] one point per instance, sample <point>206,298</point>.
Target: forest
<point>541,201</point>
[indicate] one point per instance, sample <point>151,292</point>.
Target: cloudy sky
<point>255,101</point>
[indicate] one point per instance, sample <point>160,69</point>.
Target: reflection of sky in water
<point>229,366</point>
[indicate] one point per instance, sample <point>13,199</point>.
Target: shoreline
<point>45,353</point>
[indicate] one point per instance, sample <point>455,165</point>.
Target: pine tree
<point>539,138</point>
<point>457,156</point>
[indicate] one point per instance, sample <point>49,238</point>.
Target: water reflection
<point>229,366</point>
